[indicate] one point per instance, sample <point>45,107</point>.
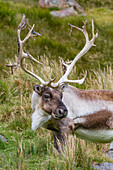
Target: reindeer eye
<point>47,96</point>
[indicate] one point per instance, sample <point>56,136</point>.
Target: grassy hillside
<point>26,149</point>
<point>55,40</point>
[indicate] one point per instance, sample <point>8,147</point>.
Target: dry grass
<point>32,146</point>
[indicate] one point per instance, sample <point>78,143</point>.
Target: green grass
<point>26,149</point>
<point>55,40</point>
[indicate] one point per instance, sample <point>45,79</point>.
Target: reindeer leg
<point>66,126</point>
<point>61,130</point>
<point>59,141</point>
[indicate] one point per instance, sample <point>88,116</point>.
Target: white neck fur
<point>39,117</point>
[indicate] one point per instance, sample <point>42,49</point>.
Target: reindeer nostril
<point>60,111</point>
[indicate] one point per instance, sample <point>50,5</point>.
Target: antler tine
<point>94,35</point>
<point>64,64</point>
<point>88,45</point>
<point>12,66</point>
<point>93,28</point>
<point>23,23</point>
<point>83,30</point>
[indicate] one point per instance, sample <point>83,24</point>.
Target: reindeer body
<point>92,113</point>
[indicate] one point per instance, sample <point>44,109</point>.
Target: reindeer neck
<point>106,95</point>
<point>85,102</point>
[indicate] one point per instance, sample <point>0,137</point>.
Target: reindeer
<point>64,109</point>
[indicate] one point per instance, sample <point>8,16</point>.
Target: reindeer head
<point>50,101</point>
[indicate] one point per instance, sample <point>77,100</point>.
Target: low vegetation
<point>26,149</point>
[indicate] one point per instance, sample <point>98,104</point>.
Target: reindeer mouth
<point>57,116</point>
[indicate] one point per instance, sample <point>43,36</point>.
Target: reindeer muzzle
<point>60,112</point>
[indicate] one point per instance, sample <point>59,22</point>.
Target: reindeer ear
<point>39,89</point>
<point>62,86</point>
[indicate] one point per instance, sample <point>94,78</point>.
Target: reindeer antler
<point>22,54</point>
<point>88,45</point>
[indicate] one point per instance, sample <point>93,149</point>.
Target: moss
<point>97,3</point>
<point>7,13</point>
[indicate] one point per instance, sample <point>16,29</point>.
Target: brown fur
<point>50,106</point>
<point>100,120</point>
<point>106,95</point>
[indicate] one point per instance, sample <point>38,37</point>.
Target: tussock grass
<point>28,149</point>
<point>101,79</point>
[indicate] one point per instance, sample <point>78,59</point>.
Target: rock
<point>103,166</point>
<point>64,12</point>
<point>110,154</point>
<point>2,138</point>
<point>53,3</point>
<point>69,7</point>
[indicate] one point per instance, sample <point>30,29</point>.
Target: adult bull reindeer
<point>90,112</point>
